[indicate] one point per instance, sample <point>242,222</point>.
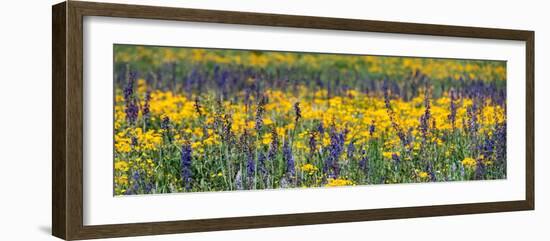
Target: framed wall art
<point>171,120</point>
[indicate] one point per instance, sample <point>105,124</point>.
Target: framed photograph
<point>171,120</point>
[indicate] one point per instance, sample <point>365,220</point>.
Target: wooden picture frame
<point>67,123</point>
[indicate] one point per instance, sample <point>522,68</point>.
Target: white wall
<point>25,119</point>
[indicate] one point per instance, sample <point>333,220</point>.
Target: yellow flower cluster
<point>309,168</point>
<point>121,166</point>
<point>356,112</point>
<point>469,162</point>
<point>423,175</point>
<point>337,182</point>
<point>146,141</point>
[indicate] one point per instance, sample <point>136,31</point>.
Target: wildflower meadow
<point>203,120</point>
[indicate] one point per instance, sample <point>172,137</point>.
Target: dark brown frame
<point>67,121</point>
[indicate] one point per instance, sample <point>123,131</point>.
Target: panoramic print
<point>205,120</point>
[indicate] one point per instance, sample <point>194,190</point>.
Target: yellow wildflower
<point>389,154</point>
<point>309,168</point>
<point>121,166</point>
<point>469,162</point>
<point>423,175</point>
<point>122,180</point>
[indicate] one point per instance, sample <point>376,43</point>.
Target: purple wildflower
<point>391,114</point>
<point>487,147</point>
<point>186,172</point>
<point>132,111</point>
<point>273,146</point>
<point>136,180</point>
<point>480,170</point>
<point>425,118</point>
<point>363,163</point>
<point>129,88</point>
<point>148,187</point>
<point>297,111</point>
<point>197,106</point>
<point>453,107</point>
<point>146,111</point>
<point>372,128</point>
<point>261,163</point>
<point>500,143</point>
<point>335,149</point>
<point>165,124</point>
<point>396,160</point>
<point>250,165</point>
<point>132,108</point>
<point>288,158</point>
<point>472,118</point>
<point>321,129</point>
<point>350,150</point>
<point>395,157</point>
<point>312,144</point>
<point>227,133</point>
<point>430,171</point>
